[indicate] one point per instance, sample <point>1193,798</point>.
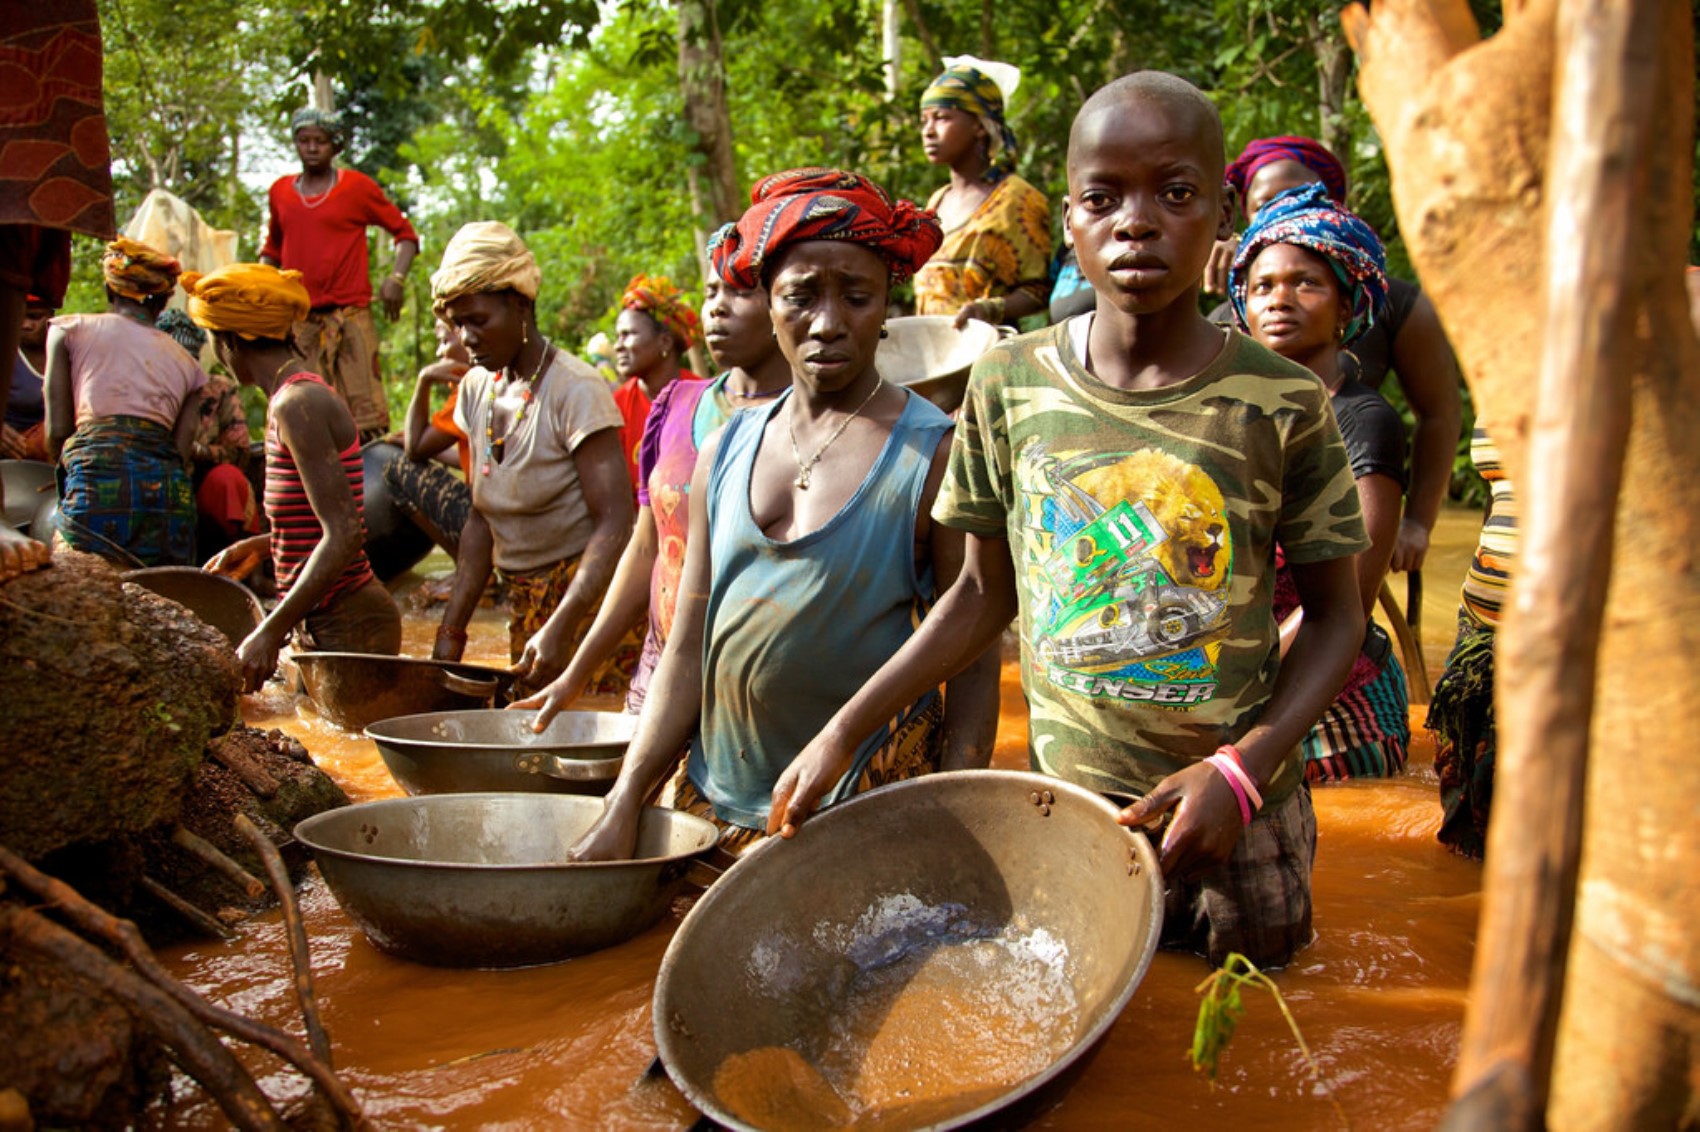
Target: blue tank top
<point>794,629</point>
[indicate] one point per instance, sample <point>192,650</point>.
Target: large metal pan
<point>226,605</point>
<point>464,752</point>
<point>26,483</point>
<point>929,355</point>
<point>482,880</point>
<point>925,955</point>
<point>355,690</point>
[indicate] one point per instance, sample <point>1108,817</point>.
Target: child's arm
<point>965,622</point>
<point>1207,818</point>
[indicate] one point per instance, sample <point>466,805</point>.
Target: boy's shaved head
<point>1185,103</point>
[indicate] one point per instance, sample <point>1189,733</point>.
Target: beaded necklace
<point>495,446</point>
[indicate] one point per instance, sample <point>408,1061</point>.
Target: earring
<point>885,332</point>
<point>524,336</point>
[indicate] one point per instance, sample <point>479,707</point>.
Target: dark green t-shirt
<point>1143,527</point>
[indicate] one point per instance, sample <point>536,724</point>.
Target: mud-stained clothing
<point>683,416</point>
<point>296,530</point>
<point>1002,248</point>
<point>363,619</point>
<point>795,628</point>
<point>1142,525</point>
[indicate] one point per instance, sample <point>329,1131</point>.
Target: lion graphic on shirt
<point>1185,501</point>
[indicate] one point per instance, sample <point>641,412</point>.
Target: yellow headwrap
<point>254,300</point>
<point>136,271</point>
<point>484,256</point>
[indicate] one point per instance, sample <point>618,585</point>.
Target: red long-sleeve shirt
<point>326,240</point>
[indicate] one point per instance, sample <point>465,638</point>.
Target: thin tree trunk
<point>1333,77</point>
<point>702,83</point>
<point>923,33</point>
<point>891,44</point>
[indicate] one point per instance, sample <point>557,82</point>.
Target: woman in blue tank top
<point>815,556</point>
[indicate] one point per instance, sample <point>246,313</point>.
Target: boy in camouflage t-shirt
<point>1123,479</point>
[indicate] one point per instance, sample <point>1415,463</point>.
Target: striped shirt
<point>295,529</point>
<point>1489,579</point>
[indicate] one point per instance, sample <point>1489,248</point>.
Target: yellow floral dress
<point>1004,247</point>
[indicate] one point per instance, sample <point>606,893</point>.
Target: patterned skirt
<point>125,495</point>
<point>1366,731</point>
<point>1461,716</point>
<point>534,595</point>
<point>911,751</point>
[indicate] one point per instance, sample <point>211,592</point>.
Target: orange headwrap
<point>136,271</point>
<point>254,300</point>
<point>656,296</point>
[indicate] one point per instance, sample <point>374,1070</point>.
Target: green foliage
<point>1220,1009</point>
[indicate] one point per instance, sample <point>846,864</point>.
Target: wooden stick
<point>1596,184</point>
<point>255,777</point>
<point>202,922</point>
<point>298,953</point>
<point>215,858</point>
<point>100,924</point>
<point>1416,669</point>
<point>193,1047</point>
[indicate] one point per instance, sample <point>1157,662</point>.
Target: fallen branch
<point>193,1047</point>
<point>101,924</point>
<point>215,858</point>
<point>297,935</point>
<point>196,918</point>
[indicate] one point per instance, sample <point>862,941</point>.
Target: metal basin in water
<point>932,357</point>
<point>226,605</point>
<point>482,880</point>
<point>355,690</point>
<point>27,483</point>
<point>469,751</point>
<point>924,930</point>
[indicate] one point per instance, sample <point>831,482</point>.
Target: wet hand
<point>1206,824</point>
<point>239,559</point>
<point>257,655</point>
<point>392,293</point>
<point>815,771</point>
<point>543,659</point>
<point>1410,548</point>
<point>612,838</point>
<point>559,695</point>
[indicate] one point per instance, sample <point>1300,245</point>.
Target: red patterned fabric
<point>824,204</point>
<point>53,142</point>
<point>1310,153</point>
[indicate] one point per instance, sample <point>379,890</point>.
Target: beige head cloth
<point>484,256</point>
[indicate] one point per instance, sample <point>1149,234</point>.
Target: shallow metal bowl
<point>27,483</point>
<point>226,605</point>
<point>469,751</point>
<point>775,958</point>
<point>932,357</point>
<point>483,880</point>
<point>355,690</point>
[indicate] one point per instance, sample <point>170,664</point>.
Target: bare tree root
<point>297,934</point>
<point>122,934</point>
<point>192,1045</point>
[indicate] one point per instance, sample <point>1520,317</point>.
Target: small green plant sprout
<point>1219,1012</point>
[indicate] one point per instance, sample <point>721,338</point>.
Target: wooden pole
<point>1597,173</point>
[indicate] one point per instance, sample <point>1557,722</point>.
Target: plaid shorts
<point>1258,903</point>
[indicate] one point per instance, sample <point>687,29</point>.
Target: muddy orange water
<point>1379,995</point>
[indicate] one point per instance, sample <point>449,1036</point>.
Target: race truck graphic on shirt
<point>1128,560</point>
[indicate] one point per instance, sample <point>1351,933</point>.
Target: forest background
<point>614,136</point>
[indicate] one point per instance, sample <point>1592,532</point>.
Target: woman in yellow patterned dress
<point>995,261</point>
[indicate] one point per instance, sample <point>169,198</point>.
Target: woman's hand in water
<point>257,655</point>
<point>240,558</point>
<point>1206,824</point>
<point>560,694</point>
<point>815,771</point>
<point>612,838</point>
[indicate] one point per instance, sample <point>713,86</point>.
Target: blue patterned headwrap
<point>1307,217</point>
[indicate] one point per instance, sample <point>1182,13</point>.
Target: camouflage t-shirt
<point>1143,525</point>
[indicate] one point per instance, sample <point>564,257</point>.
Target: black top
<point>1372,430</point>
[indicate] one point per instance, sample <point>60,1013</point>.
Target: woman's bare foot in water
<point>20,554</point>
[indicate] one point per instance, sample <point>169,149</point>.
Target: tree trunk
<point>702,82</point>
<point>1504,196</point>
<point>1333,76</point>
<point>891,45</point>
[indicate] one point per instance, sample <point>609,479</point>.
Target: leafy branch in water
<point>1219,1012</point>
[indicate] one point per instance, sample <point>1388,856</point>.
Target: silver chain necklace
<point>806,468</point>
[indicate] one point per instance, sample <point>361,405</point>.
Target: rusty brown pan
<point>451,752</point>
<point>483,880</point>
<point>354,690</point>
<point>979,930</point>
<point>230,607</point>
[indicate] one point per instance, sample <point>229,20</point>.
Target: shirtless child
<point>1123,478</point>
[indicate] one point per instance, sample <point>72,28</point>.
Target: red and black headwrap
<point>824,204</point>
<point>1310,153</point>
